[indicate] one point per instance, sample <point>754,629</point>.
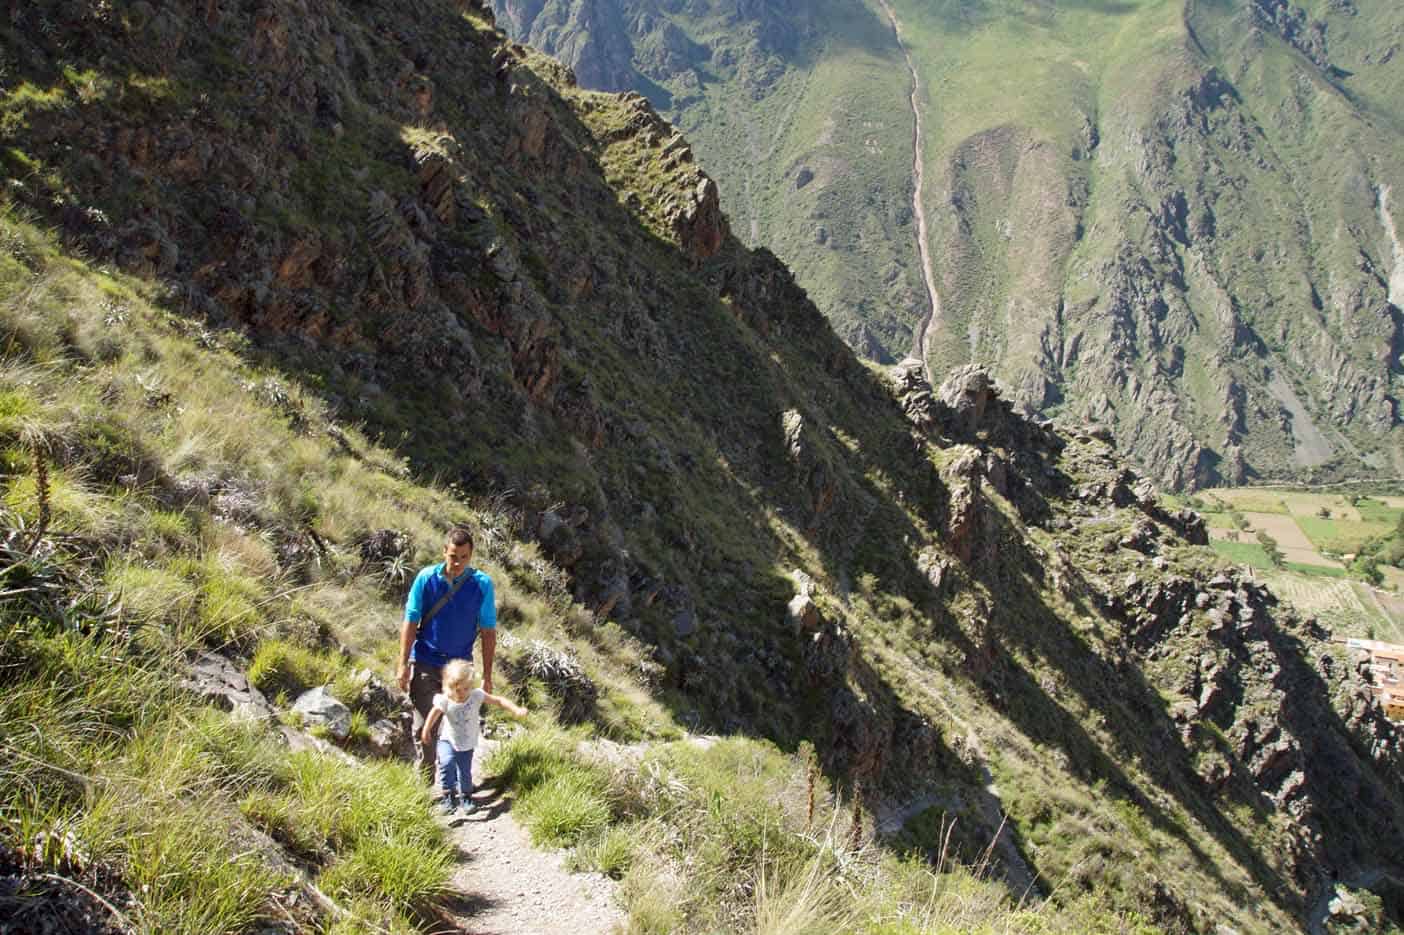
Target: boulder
<point>320,707</point>
<point>1190,525</point>
<point>393,737</point>
<point>1141,537</point>
<point>215,679</point>
<point>967,394</point>
<point>376,697</point>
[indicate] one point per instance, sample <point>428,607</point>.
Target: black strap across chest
<point>439,604</point>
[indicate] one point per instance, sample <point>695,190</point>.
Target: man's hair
<point>459,535</point>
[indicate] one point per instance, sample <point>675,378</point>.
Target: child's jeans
<point>455,769</point>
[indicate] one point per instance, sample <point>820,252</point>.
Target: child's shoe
<point>468,806</point>
<point>448,803</point>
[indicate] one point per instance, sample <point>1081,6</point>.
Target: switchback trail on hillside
<point>930,317</point>
<point>503,885</point>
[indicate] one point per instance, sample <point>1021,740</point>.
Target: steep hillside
<point>528,292</point>
<point>1172,217</point>
<point>799,109</point>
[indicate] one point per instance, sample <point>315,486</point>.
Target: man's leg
<point>425,682</point>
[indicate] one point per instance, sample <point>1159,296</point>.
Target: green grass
<point>1376,511</point>
<point>1246,553</point>
<point>564,809</point>
<point>1320,571</point>
<point>1339,536</point>
<point>610,851</point>
<point>280,666</point>
<point>559,799</point>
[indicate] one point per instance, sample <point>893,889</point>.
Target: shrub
<point>565,808</point>
<point>283,667</point>
<point>610,852</point>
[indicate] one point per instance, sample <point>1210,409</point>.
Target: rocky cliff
<point>529,290</point>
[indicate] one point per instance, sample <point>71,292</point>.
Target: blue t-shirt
<point>450,633</point>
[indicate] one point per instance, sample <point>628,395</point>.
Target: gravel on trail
<point>505,886</point>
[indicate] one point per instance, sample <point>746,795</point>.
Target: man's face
<point>456,558</point>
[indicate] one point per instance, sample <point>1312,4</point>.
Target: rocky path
<point>920,338</point>
<point>505,886</point>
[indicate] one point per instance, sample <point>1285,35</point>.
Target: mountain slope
<point>1171,217</point>
<point>528,291</point>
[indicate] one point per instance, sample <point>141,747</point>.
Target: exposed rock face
<point>1244,683</point>
<point>964,477</point>
<point>698,220</point>
<point>319,708</point>
<point>214,678</point>
<point>814,473</point>
<point>967,394</point>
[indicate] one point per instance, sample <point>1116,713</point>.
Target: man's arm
<point>489,640</point>
<point>487,630</point>
<point>409,630</point>
<point>407,633</point>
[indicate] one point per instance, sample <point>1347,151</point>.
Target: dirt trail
<point>504,886</point>
<point>921,337</point>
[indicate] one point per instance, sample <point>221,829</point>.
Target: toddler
<point>459,705</point>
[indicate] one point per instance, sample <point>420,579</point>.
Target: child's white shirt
<point>460,727</point>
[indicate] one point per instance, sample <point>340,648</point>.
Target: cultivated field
<point>1347,607</point>
<point>1317,534</point>
<point>1281,527</point>
<point>1314,531</point>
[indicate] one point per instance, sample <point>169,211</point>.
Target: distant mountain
<point>1177,218</point>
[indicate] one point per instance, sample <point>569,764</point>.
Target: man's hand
<point>487,684</point>
<point>402,675</point>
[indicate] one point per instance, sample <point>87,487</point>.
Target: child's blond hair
<point>458,674</point>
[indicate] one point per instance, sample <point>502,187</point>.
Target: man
<point>449,632</point>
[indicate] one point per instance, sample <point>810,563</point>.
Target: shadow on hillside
<point>1137,722</point>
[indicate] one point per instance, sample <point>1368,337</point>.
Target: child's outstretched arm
<point>515,710</point>
<point>430,723</point>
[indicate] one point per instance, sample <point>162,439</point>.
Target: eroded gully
<point>920,338</point>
